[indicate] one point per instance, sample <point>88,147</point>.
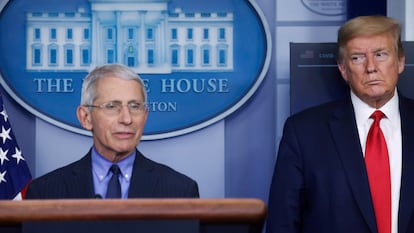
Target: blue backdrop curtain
<point>366,7</point>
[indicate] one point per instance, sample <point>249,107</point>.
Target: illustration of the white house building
<point>141,34</point>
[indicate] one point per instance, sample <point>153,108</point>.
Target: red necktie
<point>378,168</point>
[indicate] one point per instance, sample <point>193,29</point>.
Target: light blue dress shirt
<point>101,174</point>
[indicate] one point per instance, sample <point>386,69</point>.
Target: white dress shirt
<point>391,128</point>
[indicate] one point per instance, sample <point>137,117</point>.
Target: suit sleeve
<point>31,192</point>
<point>194,190</point>
<point>286,197</point>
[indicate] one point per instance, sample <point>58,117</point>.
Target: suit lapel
<point>80,183</point>
<point>345,134</point>
<point>143,181</point>
<point>406,207</point>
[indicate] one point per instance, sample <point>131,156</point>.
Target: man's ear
<point>401,64</point>
<point>342,70</point>
<point>84,117</point>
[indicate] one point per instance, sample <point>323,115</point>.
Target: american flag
<point>14,172</point>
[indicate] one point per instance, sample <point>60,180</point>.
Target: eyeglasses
<point>114,107</point>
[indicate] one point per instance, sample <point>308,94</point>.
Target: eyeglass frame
<point>116,107</point>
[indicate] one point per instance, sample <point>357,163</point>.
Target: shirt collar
<point>363,111</point>
<point>100,165</point>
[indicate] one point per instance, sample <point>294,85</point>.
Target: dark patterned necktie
<point>114,187</point>
<point>378,168</point>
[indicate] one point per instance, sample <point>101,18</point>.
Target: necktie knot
<point>377,116</point>
<point>115,170</point>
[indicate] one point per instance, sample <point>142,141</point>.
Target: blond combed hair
<point>369,26</point>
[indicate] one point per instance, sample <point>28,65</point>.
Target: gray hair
<point>89,93</point>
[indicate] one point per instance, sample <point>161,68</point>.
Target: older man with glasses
<point>114,108</point>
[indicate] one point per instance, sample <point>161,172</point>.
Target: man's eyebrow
<point>380,50</point>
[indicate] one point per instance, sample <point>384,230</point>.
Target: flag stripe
<point>14,172</point>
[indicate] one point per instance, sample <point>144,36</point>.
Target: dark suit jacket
<point>320,183</point>
<point>149,180</point>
